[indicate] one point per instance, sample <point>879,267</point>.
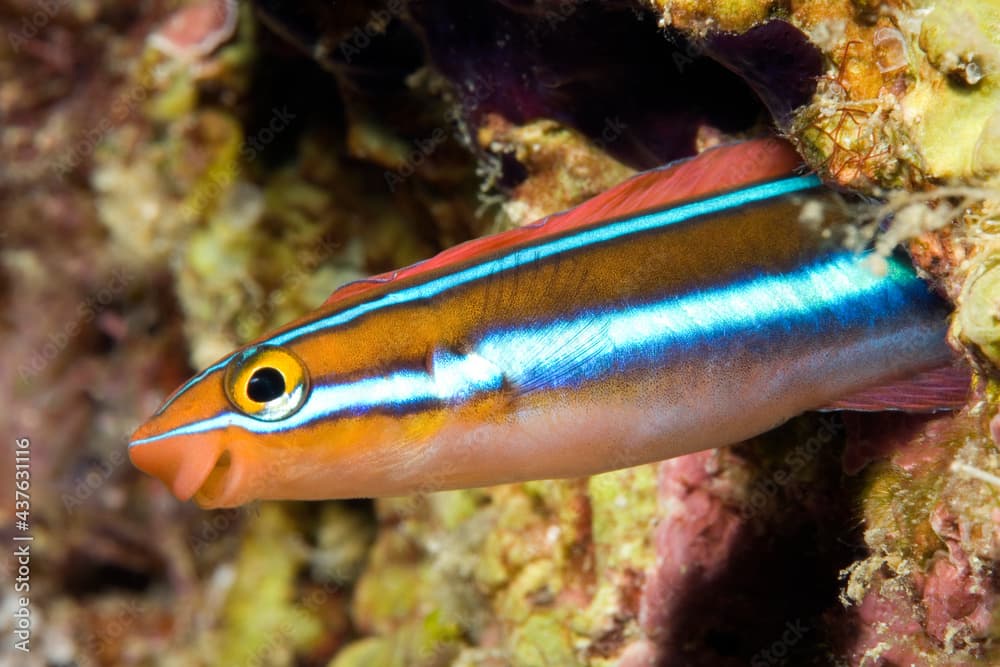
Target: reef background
<point>177,178</point>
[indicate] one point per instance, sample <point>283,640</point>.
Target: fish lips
<point>188,464</point>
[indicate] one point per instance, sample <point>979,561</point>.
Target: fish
<point>690,307</point>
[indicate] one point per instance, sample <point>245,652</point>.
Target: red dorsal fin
<point>722,168</point>
<point>944,388</point>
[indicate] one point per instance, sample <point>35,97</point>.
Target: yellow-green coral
<point>343,538</point>
<point>912,93</point>
<point>238,278</point>
<point>952,113</point>
<point>152,193</point>
<point>420,607</point>
<point>978,320</point>
<point>261,619</point>
<point>699,16</point>
<point>364,652</point>
<point>563,555</point>
<point>393,587</point>
<point>565,167</point>
<point>908,98</point>
<point>542,640</point>
<point>897,508</point>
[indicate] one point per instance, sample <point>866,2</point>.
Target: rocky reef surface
<point>178,178</point>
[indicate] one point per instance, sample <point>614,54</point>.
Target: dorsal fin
<point>715,170</point>
<point>943,388</point>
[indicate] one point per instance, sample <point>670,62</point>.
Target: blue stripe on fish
<point>578,239</point>
<point>839,292</point>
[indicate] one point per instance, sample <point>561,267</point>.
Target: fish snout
<point>182,462</point>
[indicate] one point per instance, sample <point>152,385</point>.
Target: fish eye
<point>267,383</point>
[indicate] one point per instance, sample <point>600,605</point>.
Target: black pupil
<point>266,384</point>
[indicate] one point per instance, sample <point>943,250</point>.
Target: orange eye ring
<point>267,383</point>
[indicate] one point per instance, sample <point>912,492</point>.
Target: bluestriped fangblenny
<point>687,308</point>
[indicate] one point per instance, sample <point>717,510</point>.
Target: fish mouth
<point>184,463</point>
<point>220,482</point>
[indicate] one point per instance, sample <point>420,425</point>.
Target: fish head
<point>252,427</point>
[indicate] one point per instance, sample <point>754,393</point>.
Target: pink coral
<point>927,590</point>
<point>196,30</point>
<point>693,542</point>
<point>957,596</point>
<point>887,625</point>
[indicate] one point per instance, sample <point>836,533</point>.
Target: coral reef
<point>905,100</point>
<point>176,180</point>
